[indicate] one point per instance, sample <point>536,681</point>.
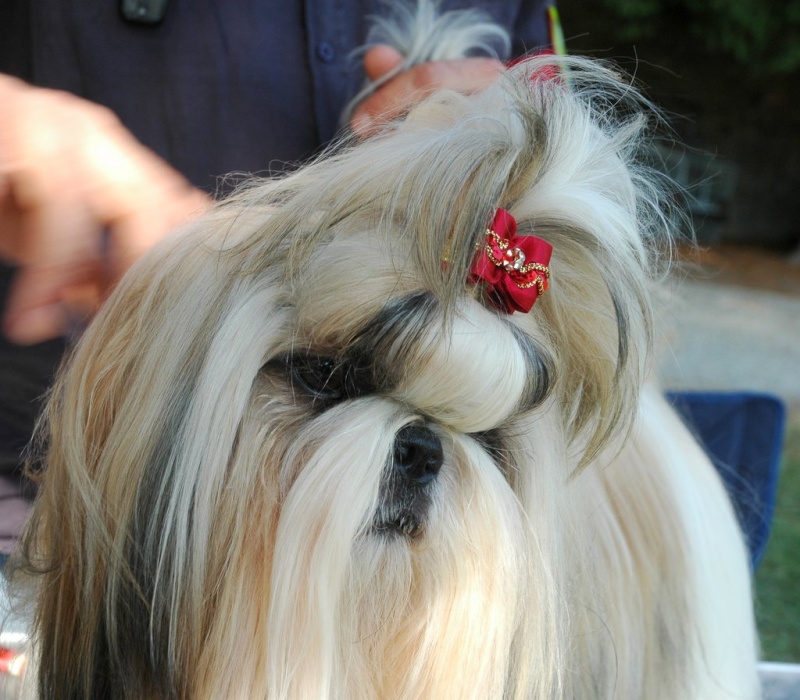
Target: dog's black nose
<point>418,454</point>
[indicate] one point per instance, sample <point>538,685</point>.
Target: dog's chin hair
<point>408,604</point>
<point>214,518</point>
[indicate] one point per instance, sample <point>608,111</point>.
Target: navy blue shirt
<point>221,86</point>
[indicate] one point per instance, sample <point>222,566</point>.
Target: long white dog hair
<point>220,513</point>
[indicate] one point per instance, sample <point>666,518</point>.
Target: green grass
<point>777,584</point>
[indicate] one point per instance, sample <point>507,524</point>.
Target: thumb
<point>381,59</point>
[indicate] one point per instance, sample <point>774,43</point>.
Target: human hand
<point>396,97</point>
<point>80,201</point>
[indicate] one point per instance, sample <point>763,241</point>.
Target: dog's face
<point>375,474</point>
<point>300,455</point>
<point>385,340</point>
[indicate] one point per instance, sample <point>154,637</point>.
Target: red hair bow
<point>514,269</point>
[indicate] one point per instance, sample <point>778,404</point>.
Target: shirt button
<point>325,52</point>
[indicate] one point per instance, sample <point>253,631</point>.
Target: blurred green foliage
<point>763,36</point>
<point>776,584</point>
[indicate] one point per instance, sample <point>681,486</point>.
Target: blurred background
<point>728,75</point>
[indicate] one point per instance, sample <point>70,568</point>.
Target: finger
<point>134,234</point>
<point>59,247</point>
<point>10,224</point>
<point>137,196</point>
<point>380,60</point>
<point>37,325</point>
<point>47,302</point>
<point>398,95</point>
<point>391,100</point>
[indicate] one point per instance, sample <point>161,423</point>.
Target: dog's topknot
<point>563,144</point>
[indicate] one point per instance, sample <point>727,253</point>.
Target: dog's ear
<point>140,430</point>
<point>585,189</point>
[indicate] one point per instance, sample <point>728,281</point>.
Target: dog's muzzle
<point>408,481</point>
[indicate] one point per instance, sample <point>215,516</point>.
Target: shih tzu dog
<point>377,429</point>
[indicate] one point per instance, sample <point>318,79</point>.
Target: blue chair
<point>743,435</point>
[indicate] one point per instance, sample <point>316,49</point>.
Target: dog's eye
<point>325,379</point>
<point>322,378</point>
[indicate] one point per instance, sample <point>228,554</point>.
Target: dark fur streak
<point>622,333</point>
<point>493,443</point>
<point>540,371</point>
<point>137,651</point>
<point>384,344</point>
